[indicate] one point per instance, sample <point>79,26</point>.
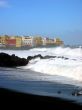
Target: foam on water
<point>70,68</point>
<point>59,51</point>
<point>70,52</point>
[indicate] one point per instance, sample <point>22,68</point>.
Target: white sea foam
<point>70,68</point>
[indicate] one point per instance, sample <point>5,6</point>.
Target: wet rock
<point>29,58</point>
<point>66,58</point>
<point>7,60</point>
<point>33,57</point>
<point>11,60</point>
<point>39,55</point>
<point>47,57</point>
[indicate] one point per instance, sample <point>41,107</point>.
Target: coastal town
<point>28,41</point>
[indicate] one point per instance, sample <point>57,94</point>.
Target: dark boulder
<point>11,60</point>
<point>48,56</point>
<point>7,60</point>
<point>39,55</point>
<point>29,58</point>
<point>34,57</point>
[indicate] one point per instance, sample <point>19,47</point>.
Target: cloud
<point>4,4</point>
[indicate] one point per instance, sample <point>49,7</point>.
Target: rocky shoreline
<point>13,61</point>
<point>7,60</point>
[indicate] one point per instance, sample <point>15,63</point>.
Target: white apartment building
<point>27,41</point>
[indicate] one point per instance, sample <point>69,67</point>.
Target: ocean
<point>58,77</point>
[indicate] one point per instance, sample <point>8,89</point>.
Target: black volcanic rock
<point>11,60</point>
<point>39,55</point>
<point>48,56</point>
<point>7,60</point>
<point>33,57</point>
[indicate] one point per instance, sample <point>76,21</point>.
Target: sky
<point>47,18</point>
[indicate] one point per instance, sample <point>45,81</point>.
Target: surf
<point>70,67</point>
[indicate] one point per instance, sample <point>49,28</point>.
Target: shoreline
<point>27,100</point>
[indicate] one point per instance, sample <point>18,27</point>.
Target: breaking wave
<point>70,68</point>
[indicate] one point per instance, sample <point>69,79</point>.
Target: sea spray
<point>71,67</point>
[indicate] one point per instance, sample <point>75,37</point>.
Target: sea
<point>58,76</point>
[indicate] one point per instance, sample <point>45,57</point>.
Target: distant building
<point>0,39</point>
<point>3,40</point>
<point>48,41</point>
<point>27,41</point>
<point>18,41</point>
<point>38,41</point>
<point>44,41</point>
<point>58,41</point>
<point>11,42</point>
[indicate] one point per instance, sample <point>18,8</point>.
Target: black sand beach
<point>15,99</point>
